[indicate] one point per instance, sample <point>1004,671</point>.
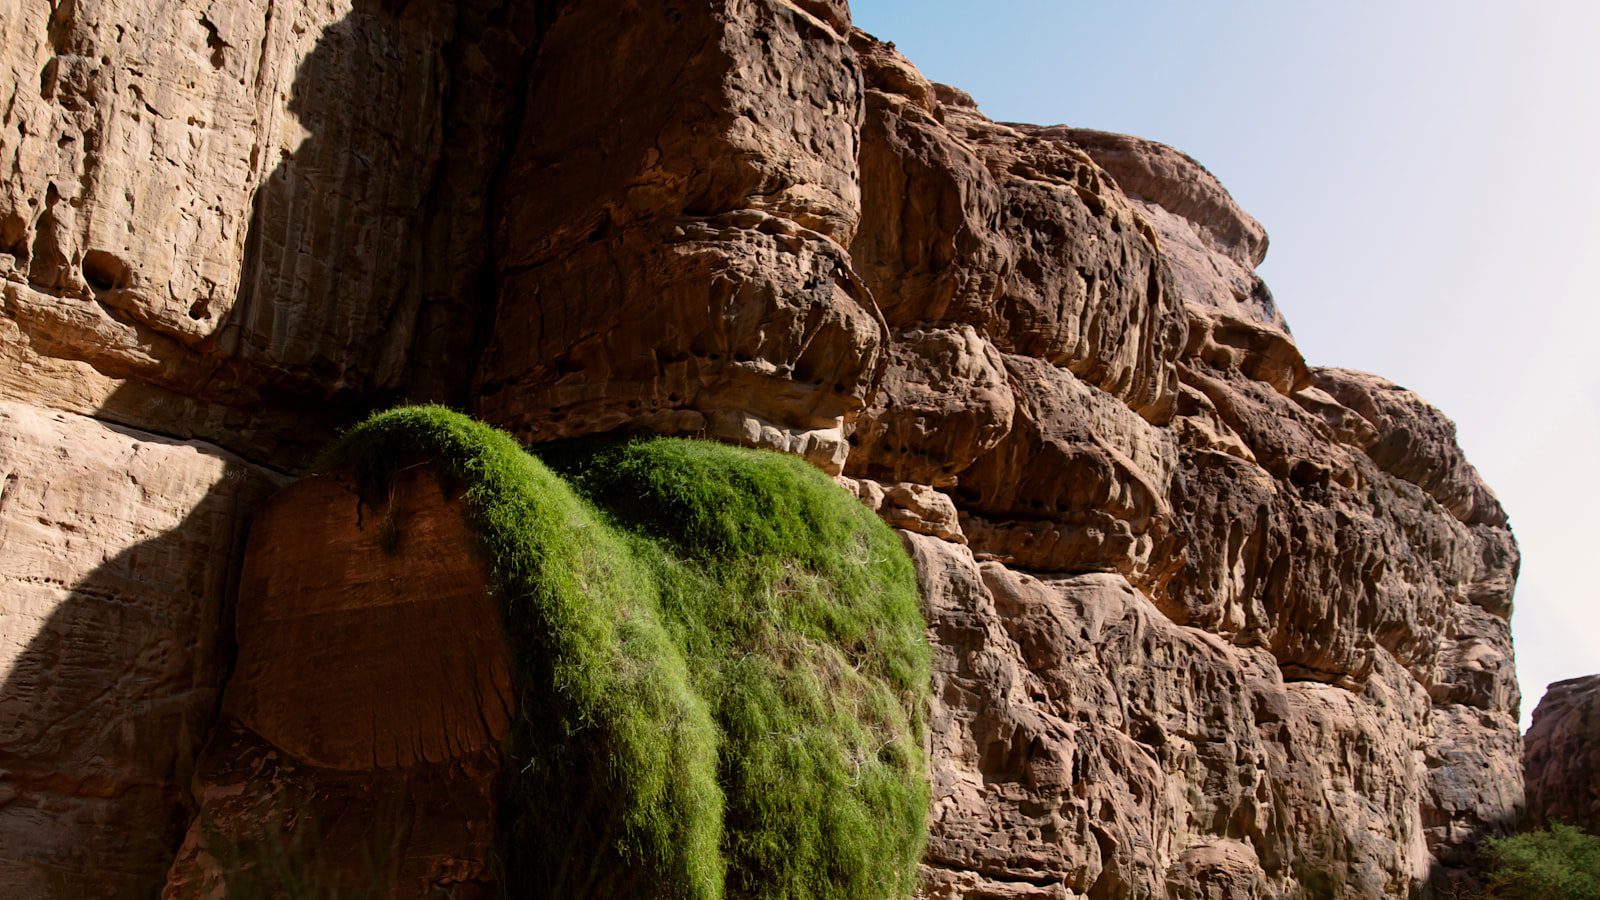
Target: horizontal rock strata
<point>369,695</point>
<point>1209,622</point>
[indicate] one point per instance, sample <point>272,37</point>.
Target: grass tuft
<point>721,664</point>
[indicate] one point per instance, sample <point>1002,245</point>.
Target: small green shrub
<point>1555,863</point>
<point>721,665</point>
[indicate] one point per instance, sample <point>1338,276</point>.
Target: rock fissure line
<point>1030,349</point>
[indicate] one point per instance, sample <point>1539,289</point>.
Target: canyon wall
<point>1208,622</point>
<point>1562,756</point>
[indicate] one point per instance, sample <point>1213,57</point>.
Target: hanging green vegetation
<point>721,664</point>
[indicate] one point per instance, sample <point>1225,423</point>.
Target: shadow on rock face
<point>1463,876</point>
<point>335,258</point>
<point>119,549</point>
<point>365,269</point>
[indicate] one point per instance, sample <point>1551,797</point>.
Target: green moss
<point>721,666</point>
<point>798,612</point>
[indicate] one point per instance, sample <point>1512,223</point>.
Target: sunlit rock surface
<point>1209,622</point>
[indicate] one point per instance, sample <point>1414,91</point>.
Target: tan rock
<point>1321,538</point>
<point>943,401</point>
<point>913,507</point>
<point>196,204</point>
<point>1415,442</point>
<point>1080,482</point>
<point>1211,246</point>
<point>1048,258</point>
<point>1224,870</point>
<point>116,554</point>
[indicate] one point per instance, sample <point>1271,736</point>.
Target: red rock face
<point>1208,622</point>
<point>369,695</point>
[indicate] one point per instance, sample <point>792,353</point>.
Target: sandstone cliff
<point>1562,756</point>
<point>1207,622</point>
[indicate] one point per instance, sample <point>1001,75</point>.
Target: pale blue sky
<point>1430,175</point>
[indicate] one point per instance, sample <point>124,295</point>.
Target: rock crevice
<point>1207,621</point>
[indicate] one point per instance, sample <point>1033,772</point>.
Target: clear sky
<point>1429,173</point>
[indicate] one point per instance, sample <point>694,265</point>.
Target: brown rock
<point>711,148</point>
<point>927,244</point>
<point>694,109</point>
<point>1562,755</point>
<point>746,313</point>
<point>372,685</point>
<point>269,820</point>
<point>367,637</point>
<point>1223,625</point>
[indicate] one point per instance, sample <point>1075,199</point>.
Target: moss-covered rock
<point>721,664</point>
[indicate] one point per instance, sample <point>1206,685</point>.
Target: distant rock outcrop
<point>1207,622</point>
<point>1561,756</point>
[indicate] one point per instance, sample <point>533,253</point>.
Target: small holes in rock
<point>104,271</point>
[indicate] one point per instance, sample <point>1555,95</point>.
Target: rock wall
<point>1562,755</point>
<point>362,720</point>
<point>1209,622</point>
<point>119,549</point>
<point>243,220</point>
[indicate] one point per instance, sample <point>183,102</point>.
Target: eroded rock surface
<point>1209,622</point>
<point>262,216</point>
<point>1562,755</point>
<point>115,555</point>
<point>371,689</point>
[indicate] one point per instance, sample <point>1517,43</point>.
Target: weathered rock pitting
<point>1208,621</point>
<point>1562,755</point>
